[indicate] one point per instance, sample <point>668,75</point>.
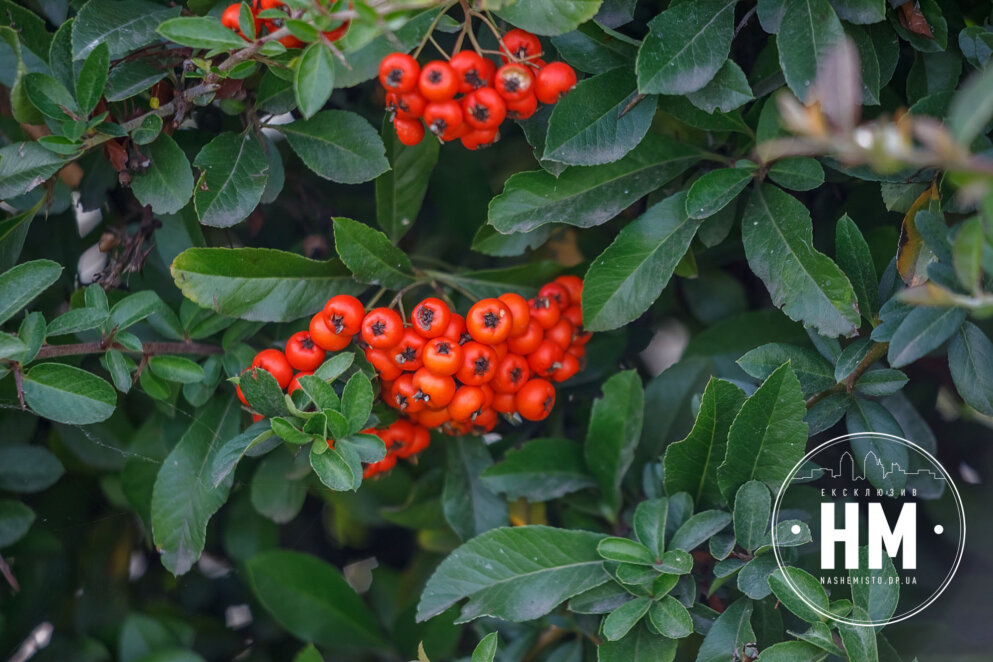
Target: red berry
<point>303,353</point>
<point>479,138</point>
<point>231,18</point>
<point>514,82</point>
<point>344,314</point>
<point>442,117</point>
<point>522,108</point>
<point>520,44</point>
<point>535,399</point>
<point>430,317</point>
<point>554,81</point>
<point>438,81</point>
<point>274,362</point>
<point>409,132</point>
<point>324,337</point>
<point>470,69</point>
<point>484,108</point>
<point>398,72</point>
<point>382,328</point>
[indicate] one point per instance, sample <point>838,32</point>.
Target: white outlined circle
<point>958,505</point>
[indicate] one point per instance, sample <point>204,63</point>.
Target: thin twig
<point>8,575</point>
<point>148,348</point>
<point>876,352</point>
<point>744,20</point>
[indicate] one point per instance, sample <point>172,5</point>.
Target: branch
<point>876,352</point>
<point>148,349</point>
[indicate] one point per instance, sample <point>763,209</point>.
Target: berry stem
<point>434,24</point>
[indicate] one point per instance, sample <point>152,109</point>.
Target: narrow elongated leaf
<point>338,145</point>
<point>67,394</point>
<point>691,464</point>
<point>123,26</point>
<point>540,470</point>
<point>184,498</point>
<point>970,355</point>
<point>529,570</point>
<point>630,274</point>
<point>588,196</point>
<point>311,599</point>
<point>200,32</point>
<point>167,184</point>
<point>752,510</point>
<point>613,434</point>
<point>967,253</point>
<point>313,79</point>
<point>13,232</point>
<point>767,436</point>
<point>808,32</point>
<point>594,123</point>
<point>923,331</point>
<point>809,287</point>
<point>470,507</point>
<point>686,46</point>
<point>370,255</point>
<point>234,171</point>
<point>401,189</point>
<point>92,78</point>
<point>855,260</point>
<point>25,166</point>
<point>259,284</point>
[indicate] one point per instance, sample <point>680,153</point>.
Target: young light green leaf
<point>313,79</point>
<point>370,256</point>
<point>623,550</point>
<point>234,169</point>
<point>629,275</point>
<point>486,649</point>
<point>176,369</point>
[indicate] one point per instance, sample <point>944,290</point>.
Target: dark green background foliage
<point>838,282</point>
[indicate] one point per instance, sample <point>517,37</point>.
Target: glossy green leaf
<point>534,569</point>
<point>486,649</point>
<point>401,189</point>
<point>923,331</point>
<point>338,145</point>
<point>548,17</point>
<point>815,373</point>
<point>797,173</point>
<point>777,235</point>
<point>25,166</point>
<point>259,284</point>
<point>752,512</point>
<point>123,26</point>
<point>807,34</point>
<point>613,434</point>
<point>167,184</point>
<point>595,49</point>
<point>92,78</point>
<point>200,32</point>
<point>970,355</point>
<point>686,46</point>
<point>67,394</point>
<point>588,196</point>
<point>623,550</point>
<point>313,79</point>
<point>729,634</point>
<point>540,470</point>
<point>629,275</point>
<point>855,260</point>
<point>334,469</point>
<point>184,499</point>
<point>698,529</point>
<point>620,621</point>
<point>860,642</point>
<point>726,91</point>
<point>803,582</point>
<point>370,255</point>
<point>50,97</point>
<point>640,645</point>
<point>233,169</point>
<point>356,401</point>
<point>714,190</point>
<point>470,507</point>
<point>670,618</point>
<point>13,232</point>
<point>176,369</point>
<point>967,251</point>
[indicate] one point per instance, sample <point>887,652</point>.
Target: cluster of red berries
<point>445,371</point>
<point>230,19</point>
<point>468,97</point>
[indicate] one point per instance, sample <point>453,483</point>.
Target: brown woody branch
<point>876,352</point>
<point>148,349</point>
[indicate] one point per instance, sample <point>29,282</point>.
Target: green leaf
<point>522,279</point>
<point>11,345</point>
<point>797,173</point>
<point>613,434</point>
<point>595,49</point>
<point>67,394</point>
<point>540,470</point>
<point>809,31</point>
<point>923,331</point>
<point>176,369</point>
<point>31,334</point>
<point>49,96</point>
<point>882,382</point>
<point>263,392</point>
<point>972,107</point>
<point>691,464</point>
<point>128,79</point>
<point>15,520</point>
<point>640,645</point>
<point>670,618</point>
<point>549,17</point>
<point>370,255</point>
<point>233,169</point>
<point>277,491</point>
<point>728,635</point>
<point>334,469</point>
<point>686,47</point>
<point>92,78</point>
<point>259,284</point>
<point>595,123</point>
<point>313,79</point>
<point>204,32</point>
<point>792,651</point>
<point>123,26</point>
<point>183,499</point>
<point>534,569</point>
<point>335,366</point>
<point>650,519</point>
<point>401,189</point>
<point>752,512</point>
<point>311,599</point>
<point>767,436</point>
<point>24,166</point>
<point>855,260</point>
<point>470,507</point>
<point>486,649</point>
<point>629,275</point>
<point>778,238</point>
<point>338,145</point>
<point>869,416</point>
<point>588,196</point>
<point>76,320</point>
<point>623,550</point>
<point>714,190</point>
<point>967,251</point>
<point>699,528</point>
<point>806,584</point>
<point>860,11</point>
<point>167,184</point>
<point>134,308</point>
<point>149,129</point>
<point>880,597</point>
<point>309,654</point>
<point>860,642</point>
<point>356,401</point>
<point>726,91</point>
<point>620,621</point>
<point>969,356</point>
<point>815,374</point>
<point>13,232</point>
<point>28,469</point>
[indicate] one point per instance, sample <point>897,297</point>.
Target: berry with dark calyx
<point>545,360</point>
<point>545,311</point>
<point>456,329</point>
<point>382,328</point>
<point>466,402</point>
<point>403,395</point>
<point>398,72</point>
<point>433,389</point>
<point>535,399</point>
<point>573,285</point>
<point>409,132</point>
<point>442,355</point>
<point>430,317</point>
<point>438,81</point>
<point>520,44</point>
<point>484,108</point>
<point>556,291</point>
<point>514,82</point>
<point>479,138</point>
<point>470,70</point>
<point>443,117</point>
<point>324,337</point>
<point>479,363</point>
<point>554,81</point>
<point>382,361</point>
<point>344,314</point>
<point>408,106</point>
<point>303,353</point>
<point>569,366</point>
<point>512,373</point>
<point>407,354</point>
<point>489,321</point>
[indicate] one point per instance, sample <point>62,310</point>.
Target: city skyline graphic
<point>870,460</point>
